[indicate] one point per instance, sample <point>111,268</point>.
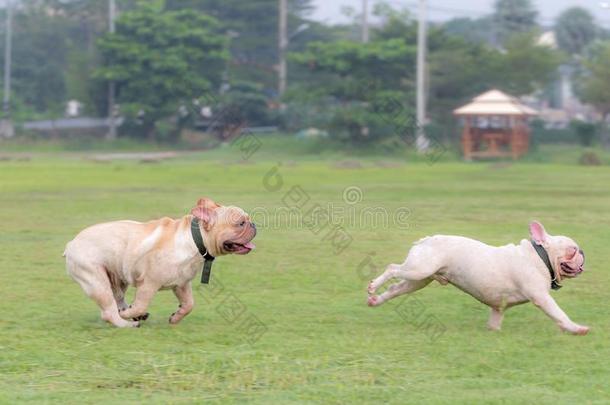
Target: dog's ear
<point>538,233</point>
<point>204,211</point>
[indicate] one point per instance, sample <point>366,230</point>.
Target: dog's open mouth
<point>569,271</point>
<point>238,248</point>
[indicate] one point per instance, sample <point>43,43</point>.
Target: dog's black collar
<point>542,253</point>
<point>208,258</point>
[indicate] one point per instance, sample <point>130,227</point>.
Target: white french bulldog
<point>499,277</point>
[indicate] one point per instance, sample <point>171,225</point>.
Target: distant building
<point>559,105</point>
<point>73,108</point>
<point>7,130</point>
<point>549,39</point>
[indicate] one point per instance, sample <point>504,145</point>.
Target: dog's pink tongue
<point>250,245</point>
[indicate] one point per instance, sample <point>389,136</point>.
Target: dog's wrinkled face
<point>567,258</point>
<point>226,230</point>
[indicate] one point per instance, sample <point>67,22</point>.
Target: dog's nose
<point>253,225</point>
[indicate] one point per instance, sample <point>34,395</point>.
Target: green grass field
<point>319,342</point>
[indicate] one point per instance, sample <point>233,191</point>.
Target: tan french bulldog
<point>162,254</point>
<point>500,277</point>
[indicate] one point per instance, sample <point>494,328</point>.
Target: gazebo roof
<point>495,102</point>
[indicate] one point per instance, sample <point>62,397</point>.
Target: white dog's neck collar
<point>544,256</point>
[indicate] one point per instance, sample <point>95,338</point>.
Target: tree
<point>361,80</point>
<point>253,25</point>
<point>595,84</point>
<point>575,29</point>
<point>40,50</point>
<point>514,16</point>
<point>450,87</point>
<point>161,60</point>
<point>525,66</point>
<point>480,30</point>
<point>54,55</point>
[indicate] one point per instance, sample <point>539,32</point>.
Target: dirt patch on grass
<point>388,164</point>
<point>18,157</point>
<point>500,165</point>
<point>347,164</point>
<point>142,157</point>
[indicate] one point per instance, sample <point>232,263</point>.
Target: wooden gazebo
<point>495,125</point>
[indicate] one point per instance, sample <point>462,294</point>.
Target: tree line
<point>171,58</point>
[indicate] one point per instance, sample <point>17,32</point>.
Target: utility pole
<point>365,21</point>
<point>6,126</point>
<point>282,46</point>
<point>421,141</point>
<point>111,86</point>
<point>8,44</point>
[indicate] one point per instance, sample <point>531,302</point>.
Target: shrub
<point>358,125</point>
<point>585,131</point>
<point>245,102</point>
<point>542,135</point>
<point>589,159</point>
<point>302,115</point>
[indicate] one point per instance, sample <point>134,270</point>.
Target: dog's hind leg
<point>95,283</point>
<point>495,319</point>
<point>389,273</point>
<point>421,264</point>
<point>403,287</point>
<point>119,287</point>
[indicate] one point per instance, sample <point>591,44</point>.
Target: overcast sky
<point>439,10</point>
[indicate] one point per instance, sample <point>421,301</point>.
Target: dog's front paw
<point>576,330</point>
<point>580,330</point>
<point>174,319</point>
<point>123,315</point>
<point>142,317</point>
<point>373,301</point>
<point>371,288</point>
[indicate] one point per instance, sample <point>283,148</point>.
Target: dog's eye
<point>242,223</point>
